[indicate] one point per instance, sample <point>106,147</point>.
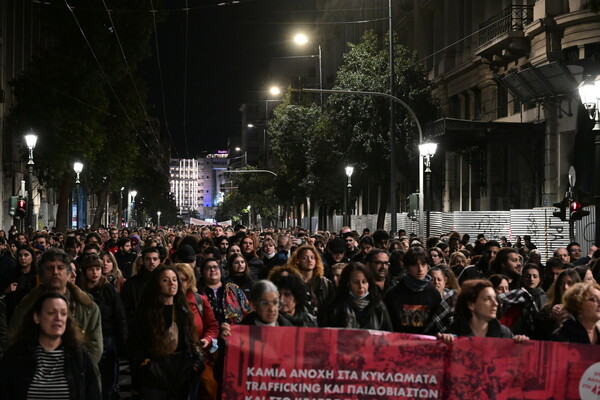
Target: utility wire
<point>185,68</point>
<point>106,78</point>
<point>133,80</point>
<point>160,74</point>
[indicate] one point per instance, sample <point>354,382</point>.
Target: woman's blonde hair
<point>188,271</point>
<point>294,261</point>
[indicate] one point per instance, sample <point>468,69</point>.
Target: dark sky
<point>229,49</point>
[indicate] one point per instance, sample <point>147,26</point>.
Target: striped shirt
<point>49,380</point>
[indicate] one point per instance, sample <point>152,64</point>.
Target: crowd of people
<point>72,305</point>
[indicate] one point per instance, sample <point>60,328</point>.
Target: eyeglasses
<point>574,250</point>
<point>213,268</point>
<point>380,263</point>
<point>594,300</point>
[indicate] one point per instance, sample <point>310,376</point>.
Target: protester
<point>111,270</point>
<point>355,304</point>
<point>24,277</point>
<point>476,309</point>
<point>264,298</point>
<point>582,301</point>
<point>293,300</point>
<point>114,322</point>
<point>239,273</point>
<point>163,339</point>
<point>307,262</point>
<point>47,359</point>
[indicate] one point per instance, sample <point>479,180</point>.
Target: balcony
<point>501,38</point>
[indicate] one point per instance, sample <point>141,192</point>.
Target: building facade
<point>197,184</point>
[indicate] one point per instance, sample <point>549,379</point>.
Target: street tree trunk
<point>102,197</point>
<point>383,204</point>
<point>62,213</point>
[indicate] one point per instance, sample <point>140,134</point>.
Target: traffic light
<point>562,206</point>
<point>12,205</point>
<point>577,211</point>
<point>21,208</point>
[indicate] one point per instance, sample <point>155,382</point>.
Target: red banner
<point>276,363</point>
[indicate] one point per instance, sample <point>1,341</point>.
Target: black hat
<point>185,254</point>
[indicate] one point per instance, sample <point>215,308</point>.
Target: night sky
<point>229,50</point>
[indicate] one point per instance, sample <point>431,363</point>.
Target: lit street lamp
<point>133,193</point>
<point>31,141</point>
<point>301,39</point>
<point>347,193</point>
<point>589,91</point>
<point>427,150</point>
<point>245,155</point>
<point>77,167</point>
<point>158,218</point>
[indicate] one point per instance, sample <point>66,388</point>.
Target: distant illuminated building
<point>196,183</point>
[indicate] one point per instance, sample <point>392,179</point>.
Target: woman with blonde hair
<point>582,301</point>
<point>111,270</point>
<point>307,261</point>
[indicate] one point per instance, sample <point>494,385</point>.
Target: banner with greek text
<point>277,363</point>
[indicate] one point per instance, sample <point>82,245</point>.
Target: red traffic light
<point>576,206</point>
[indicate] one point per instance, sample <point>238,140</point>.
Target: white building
<point>196,183</point>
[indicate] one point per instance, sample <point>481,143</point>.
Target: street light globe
<point>31,140</point>
<point>238,149</point>
<point>250,125</point>
<point>275,91</point>
<point>77,167</point>
<point>158,213</point>
<point>133,193</point>
<point>349,171</point>
<point>301,39</point>
<point>589,91</point>
<point>427,149</point>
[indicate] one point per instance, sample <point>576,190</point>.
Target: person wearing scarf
<point>353,305</point>
<point>412,303</point>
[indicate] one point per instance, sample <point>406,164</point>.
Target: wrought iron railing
<point>511,19</point>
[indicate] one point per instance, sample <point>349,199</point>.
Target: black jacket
<point>114,321</point>
<point>461,327</point>
<point>374,316</point>
<point>572,331</point>
<point>251,319</point>
<point>17,368</point>
<point>132,293</point>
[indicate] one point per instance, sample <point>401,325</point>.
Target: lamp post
<point>131,207</point>
<point>589,91</point>
<point>30,140</point>
<point>245,155</point>
<point>347,193</point>
<point>120,218</point>
<point>77,167</point>
<point>427,150</point>
<point>301,39</point>
<point>158,219</point>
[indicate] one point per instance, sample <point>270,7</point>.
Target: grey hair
<point>54,254</point>
<point>260,288</point>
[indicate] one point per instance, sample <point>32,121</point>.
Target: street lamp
<point>589,91</point>
<point>427,150</point>
<point>77,167</point>
<point>301,39</point>
<point>158,215</point>
<point>245,155</point>
<point>133,193</point>
<point>347,193</point>
<point>30,140</point>
<point>275,91</point>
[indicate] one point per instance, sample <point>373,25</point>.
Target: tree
<point>82,111</point>
<point>361,123</point>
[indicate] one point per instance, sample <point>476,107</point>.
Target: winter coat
<point>252,319</point>
<point>17,368</point>
<point>461,327</point>
<point>338,315</point>
<point>409,310</point>
<point>572,331</point>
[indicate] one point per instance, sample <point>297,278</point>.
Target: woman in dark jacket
<point>114,322</point>
<point>47,358</point>
<point>476,309</point>
<point>25,276</point>
<point>582,301</point>
<point>354,305</point>
<point>163,342</point>
<point>239,272</point>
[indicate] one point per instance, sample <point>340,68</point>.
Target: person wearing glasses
<point>378,261</point>
<point>574,250</point>
<point>582,301</point>
<point>264,298</point>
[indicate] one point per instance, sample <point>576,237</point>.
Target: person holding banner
<point>413,301</point>
<point>264,298</point>
<point>476,309</point>
<point>355,306</point>
<point>583,302</point>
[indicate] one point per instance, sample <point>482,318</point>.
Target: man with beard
<point>508,262</point>
<point>125,257</point>
<point>350,240</point>
<point>481,270</point>
<point>379,263</point>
